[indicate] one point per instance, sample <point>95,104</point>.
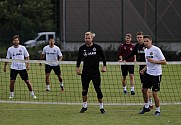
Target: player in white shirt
<point>52,54</point>
<point>154,59</point>
<point>18,52</point>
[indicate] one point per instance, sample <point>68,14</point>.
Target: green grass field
<point>36,114</point>
<point>121,109</point>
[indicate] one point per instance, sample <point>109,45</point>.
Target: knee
<point>124,77</point>
<point>144,91</point>
<point>131,76</point>
<point>99,93</point>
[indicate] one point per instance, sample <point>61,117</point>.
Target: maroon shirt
<point>124,50</point>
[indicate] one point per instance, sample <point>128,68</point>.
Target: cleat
<point>151,106</point>
<point>132,93</point>
<point>34,97</point>
<point>11,97</point>
<point>102,111</point>
<point>62,88</point>
<point>157,113</point>
<point>125,92</point>
<point>144,110</point>
<point>83,110</point>
<point>47,90</point>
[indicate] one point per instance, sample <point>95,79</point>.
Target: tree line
<point>26,18</point>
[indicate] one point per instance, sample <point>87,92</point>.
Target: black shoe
<point>157,113</point>
<point>132,93</point>
<point>102,111</point>
<point>144,110</point>
<point>47,90</point>
<point>83,110</point>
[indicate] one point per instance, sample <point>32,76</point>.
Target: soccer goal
<point>111,85</point>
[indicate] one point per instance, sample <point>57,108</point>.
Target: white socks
<point>150,101</point>
<point>158,109</point>
<point>48,87</point>
<point>101,105</point>
<point>85,104</point>
<point>32,93</point>
<point>132,88</point>
<point>12,94</point>
<point>124,88</point>
<point>61,84</point>
<point>146,105</point>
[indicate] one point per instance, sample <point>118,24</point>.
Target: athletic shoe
<point>62,88</point>
<point>83,110</point>
<point>11,97</point>
<point>102,111</point>
<point>47,90</point>
<point>132,93</point>
<point>150,106</point>
<point>34,97</point>
<point>144,110</point>
<point>157,113</point>
<point>125,92</point>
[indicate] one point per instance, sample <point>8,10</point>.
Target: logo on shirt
<point>150,56</point>
<point>88,53</point>
<point>131,48</point>
<point>51,53</point>
<point>85,53</point>
<point>94,49</point>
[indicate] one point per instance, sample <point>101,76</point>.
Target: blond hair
<point>90,33</point>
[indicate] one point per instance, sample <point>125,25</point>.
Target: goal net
<point>111,85</point>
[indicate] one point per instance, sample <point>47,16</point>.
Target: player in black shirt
<point>90,53</point>
<point>139,51</point>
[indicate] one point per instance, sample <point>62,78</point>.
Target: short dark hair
<point>147,36</point>
<point>16,36</point>
<point>139,33</point>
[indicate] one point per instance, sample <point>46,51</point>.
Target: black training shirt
<point>91,57</point>
<point>139,51</point>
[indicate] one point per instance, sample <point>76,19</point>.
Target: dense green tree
<point>26,18</point>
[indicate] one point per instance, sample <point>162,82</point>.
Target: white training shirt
<point>17,53</point>
<point>52,54</point>
<point>156,54</point>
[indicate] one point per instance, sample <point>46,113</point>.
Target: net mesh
<point>111,84</point>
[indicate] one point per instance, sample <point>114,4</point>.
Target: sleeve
<point>8,56</point>
<point>160,54</point>
<point>134,52</point>
<point>80,56</point>
<point>102,55</point>
<point>120,50</point>
<point>43,52</point>
<point>59,51</point>
<point>26,54</point>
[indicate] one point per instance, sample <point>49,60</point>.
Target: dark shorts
<point>87,76</point>
<point>56,69</point>
<point>151,81</point>
<point>141,76</point>
<point>127,68</point>
<point>22,73</point>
